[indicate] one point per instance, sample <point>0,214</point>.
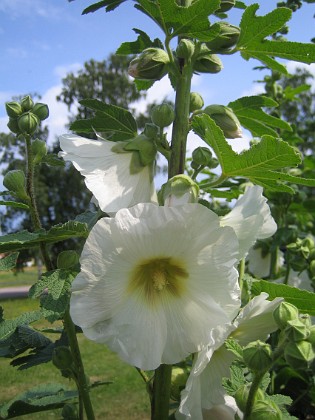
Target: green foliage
<point>143,41</point>
<point>8,262</point>
<point>7,327</point>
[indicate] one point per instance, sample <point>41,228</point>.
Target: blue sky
<point>42,40</point>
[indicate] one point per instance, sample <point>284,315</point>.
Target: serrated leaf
<point>52,160</point>
<point>176,20</point>
<point>108,4</point>
<point>251,116</point>
<point>236,380</point>
<point>291,92</point>
<point>254,30</point>
<point>40,398</point>
<point>7,327</point>
<point>302,299</point>
<point>233,346</point>
<point>258,164</point>
<point>8,262</point>
<point>143,41</point>
<point>14,204</point>
<point>116,123</point>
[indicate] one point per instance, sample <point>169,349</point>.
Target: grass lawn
<point>126,398</point>
<point>22,278</point>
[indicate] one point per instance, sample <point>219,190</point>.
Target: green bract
<point>185,49</point>
<point>39,150</point>
<point>225,118</point>
<point>27,103</point>
<point>41,111</point>
<point>257,355</point>
<point>226,40</point>
<point>15,181</point>
<point>207,62</point>
<point>13,109</point>
<point>28,123</point>
<point>151,64</point>
<point>285,312</point>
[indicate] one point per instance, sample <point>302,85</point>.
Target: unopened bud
<point>41,111</point>
<point>62,357</point>
<point>266,410</point>
<point>296,330</point>
<point>185,49</point>
<point>226,40</point>
<point>179,378</point>
<point>257,355</point>
<point>13,109</point>
<point>15,182</point>
<point>285,312</point>
<point>241,396</point>
<point>13,126</point>
<point>27,103</point>
<point>28,123</point>
<point>201,156</point>
<point>311,337</point>
<point>151,64</point>
<point>67,259</point>
<point>39,150</point>
<point>299,354</point>
<point>179,190</point>
<point>225,6</point>
<point>207,62</point>
<point>225,118</point>
<point>150,130</point>
<point>196,102</point>
<point>162,115</point>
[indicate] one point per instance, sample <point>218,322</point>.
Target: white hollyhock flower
<point>259,263</point>
<point>155,281</point>
<point>204,396</point>
<point>107,173</point>
<point>250,218</point>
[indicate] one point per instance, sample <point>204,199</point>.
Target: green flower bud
<point>296,330</point>
<point>180,189</point>
<point>27,103</point>
<point>39,150</point>
<point>196,102</point>
<point>299,354</point>
<point>62,358</point>
<point>312,254</point>
<point>145,148</point>
<point>13,126</point>
<point>226,40</point>
<point>69,412</point>
<point>162,115</point>
<point>41,111</point>
<point>151,64</point>
<point>179,378</point>
<point>225,118</point>
<point>185,49</point>
<point>13,109</point>
<point>15,182</point>
<point>306,319</point>
<point>308,242</point>
<point>150,130</point>
<point>285,312</point>
<point>312,267</point>
<point>67,259</point>
<point>266,410</point>
<point>257,355</point>
<point>28,123</point>
<point>201,156</point>
<point>241,396</point>
<point>207,62</point>
<point>225,6</point>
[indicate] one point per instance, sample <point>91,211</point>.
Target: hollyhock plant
<point>204,396</point>
<point>108,174</point>
<point>155,281</point>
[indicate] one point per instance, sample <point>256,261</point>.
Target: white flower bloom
<point>204,396</point>
<point>155,281</point>
<point>259,264</point>
<point>250,218</point>
<point>107,173</point>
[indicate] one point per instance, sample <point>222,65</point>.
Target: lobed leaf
<point>7,327</point>
<point>143,41</point>
<point>108,4</point>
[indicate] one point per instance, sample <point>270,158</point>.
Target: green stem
<point>215,183</point>
<point>241,272</point>
<point>161,393</point>
<point>252,394</point>
<point>273,263</point>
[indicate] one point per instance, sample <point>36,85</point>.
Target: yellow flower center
<point>156,277</point>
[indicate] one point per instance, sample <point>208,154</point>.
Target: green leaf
<point>233,346</point>
<point>302,299</point>
<point>143,84</point>
<point>116,123</point>
<point>251,116</point>
<point>40,398</point>
<point>236,380</point>
<point>52,160</point>
<point>258,164</point>
<point>143,41</point>
<point>291,92</point>
<point>108,4</point>
<point>7,327</point>
<point>8,262</point>
<point>14,204</point>
<point>176,20</point>
<point>254,30</point>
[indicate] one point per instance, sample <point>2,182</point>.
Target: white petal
<point>107,173</point>
<point>259,265</point>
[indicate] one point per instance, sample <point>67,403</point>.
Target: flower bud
<point>257,355</point>
<point>15,182</point>
<point>150,130</point>
<point>179,378</point>
<point>185,49</point>
<point>299,354</point>
<point>201,156</point>
<point>241,396</point>
<point>151,64</point>
<point>266,410</point>
<point>207,62</point>
<point>296,330</point>
<point>226,40</point>
<point>67,259</point>
<point>225,6</point>
<point>162,115</point>
<point>41,111</point>
<point>28,123</point>
<point>285,312</point>
<point>13,126</point>
<point>39,150</point>
<point>179,190</point>
<point>196,102</point>
<point>13,109</point>
<point>62,357</point>
<point>27,103</point>
<point>225,118</point>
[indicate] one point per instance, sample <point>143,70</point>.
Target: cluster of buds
<point>301,256</point>
<point>151,64</point>
<point>25,116</point>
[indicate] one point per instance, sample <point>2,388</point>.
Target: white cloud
<point>62,71</point>
<point>292,66</point>
<point>29,8</point>
<point>255,89</point>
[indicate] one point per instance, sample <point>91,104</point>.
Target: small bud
<point>13,109</point>
<point>62,357</point>
<point>162,115</point>
<point>225,6</point>
<point>15,182</point>
<point>285,312</point>
<point>296,330</point>
<point>179,378</point>
<point>257,355</point>
<point>179,190</point>
<point>151,64</point>
<point>41,111</point>
<point>225,118</point>
<point>201,156</point>
<point>27,103</point>
<point>241,396</point>
<point>28,123</point>
<point>226,40</point>
<point>266,410</point>
<point>299,354</point>
<point>150,130</point>
<point>207,62</point>
<point>39,150</point>
<point>67,259</point>
<point>13,126</point>
<point>185,49</point>
<point>196,102</point>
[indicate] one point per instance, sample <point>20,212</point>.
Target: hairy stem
<point>161,393</point>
